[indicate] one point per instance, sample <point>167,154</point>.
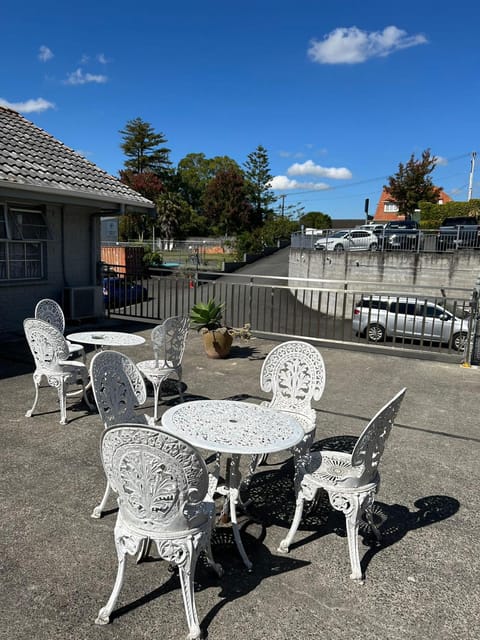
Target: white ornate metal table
<point>106,339</point>
<point>235,428</point>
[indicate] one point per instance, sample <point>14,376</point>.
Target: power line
<point>359,182</point>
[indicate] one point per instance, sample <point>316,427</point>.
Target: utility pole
<point>472,169</point>
<point>283,204</point>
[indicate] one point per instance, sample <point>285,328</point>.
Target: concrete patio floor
<point>58,565</point>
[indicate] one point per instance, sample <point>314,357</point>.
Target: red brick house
<point>387,208</point>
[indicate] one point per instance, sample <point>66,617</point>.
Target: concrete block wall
<point>378,272</point>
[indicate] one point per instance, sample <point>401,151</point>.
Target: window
<point>390,207</point>
<point>23,233</point>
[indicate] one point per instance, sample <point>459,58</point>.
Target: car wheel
<point>339,247</point>
<point>373,247</point>
<point>376,333</point>
<point>459,340</point>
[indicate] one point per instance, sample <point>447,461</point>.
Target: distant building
<point>387,209</point>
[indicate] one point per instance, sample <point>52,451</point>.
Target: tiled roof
<point>31,157</point>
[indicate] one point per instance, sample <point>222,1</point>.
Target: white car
<point>379,317</point>
<point>356,239</point>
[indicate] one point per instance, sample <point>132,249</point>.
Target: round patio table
<point>235,428</point>
<point>106,339</point>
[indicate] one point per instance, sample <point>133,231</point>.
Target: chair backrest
<point>51,312</point>
<point>159,478</point>
<point>118,387</point>
<point>294,372</point>
<point>168,340</point>
<point>47,344</point>
<point>371,443</point>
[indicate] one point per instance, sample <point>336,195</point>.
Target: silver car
<point>356,239</point>
<point>379,317</point>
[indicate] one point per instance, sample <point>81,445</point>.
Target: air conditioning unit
<point>83,302</point>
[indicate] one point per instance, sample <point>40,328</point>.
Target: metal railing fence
<point>426,240</point>
<point>314,310</point>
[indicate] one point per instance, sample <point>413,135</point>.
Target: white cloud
<point>102,58</point>
<point>84,59</point>
<point>45,54</point>
<point>440,161</point>
<point>350,45</point>
<point>79,77</point>
<point>282,183</point>
<point>309,168</point>
<point>29,106</point>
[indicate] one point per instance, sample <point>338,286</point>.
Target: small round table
<point>106,339</point>
<point>235,428</point>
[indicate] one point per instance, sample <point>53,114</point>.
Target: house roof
<point>382,216</point>
<point>33,160</point>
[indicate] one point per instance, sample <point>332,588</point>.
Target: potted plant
<point>206,317</point>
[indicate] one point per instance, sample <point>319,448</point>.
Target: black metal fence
<point>314,310</point>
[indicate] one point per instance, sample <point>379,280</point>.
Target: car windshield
<point>338,234</point>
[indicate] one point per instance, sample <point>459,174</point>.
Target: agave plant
<point>207,315</point>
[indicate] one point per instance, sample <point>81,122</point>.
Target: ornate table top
<point>230,426</point>
<point>107,338</point>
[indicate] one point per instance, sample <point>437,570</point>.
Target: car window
<point>366,303</point>
<point>403,308</point>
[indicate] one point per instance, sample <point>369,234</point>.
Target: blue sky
<point>338,92</point>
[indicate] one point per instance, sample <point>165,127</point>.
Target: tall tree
<point>195,171</point>
<point>412,183</point>
<point>143,148</point>
<point>257,180</point>
<point>169,208</point>
<point>316,220</point>
<point>226,203</point>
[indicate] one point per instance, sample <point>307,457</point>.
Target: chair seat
<point>156,367</point>
<point>74,348</point>
<point>330,469</point>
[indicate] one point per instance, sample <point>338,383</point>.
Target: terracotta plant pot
<point>217,343</point>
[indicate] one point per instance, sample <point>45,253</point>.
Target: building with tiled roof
<point>51,203</point>
<point>387,209</point>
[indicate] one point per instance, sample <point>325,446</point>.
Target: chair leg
<point>104,613</point>
<point>297,518</point>
<point>187,573</point>
<point>352,505</point>
<point>156,398</point>
<point>62,397</point>
<point>97,512</point>
<point>36,382</point>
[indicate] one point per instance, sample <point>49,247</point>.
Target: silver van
<point>381,317</point>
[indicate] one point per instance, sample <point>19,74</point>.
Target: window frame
<point>22,242</point>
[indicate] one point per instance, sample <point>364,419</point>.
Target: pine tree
<point>257,181</point>
<point>142,146</point>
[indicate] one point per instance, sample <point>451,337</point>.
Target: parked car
<point>458,233</point>
<point>401,235</point>
<point>356,239</point>
<point>375,227</point>
<point>378,317</point>
<point>120,292</point>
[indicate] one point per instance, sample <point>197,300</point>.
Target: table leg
<point>234,480</point>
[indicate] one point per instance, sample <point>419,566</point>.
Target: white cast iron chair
<point>351,480</point>
<point>161,483</point>
<point>294,372</point>
<point>50,352</point>
<point>118,388</point>
<point>52,312</point>
<point>168,341</point>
